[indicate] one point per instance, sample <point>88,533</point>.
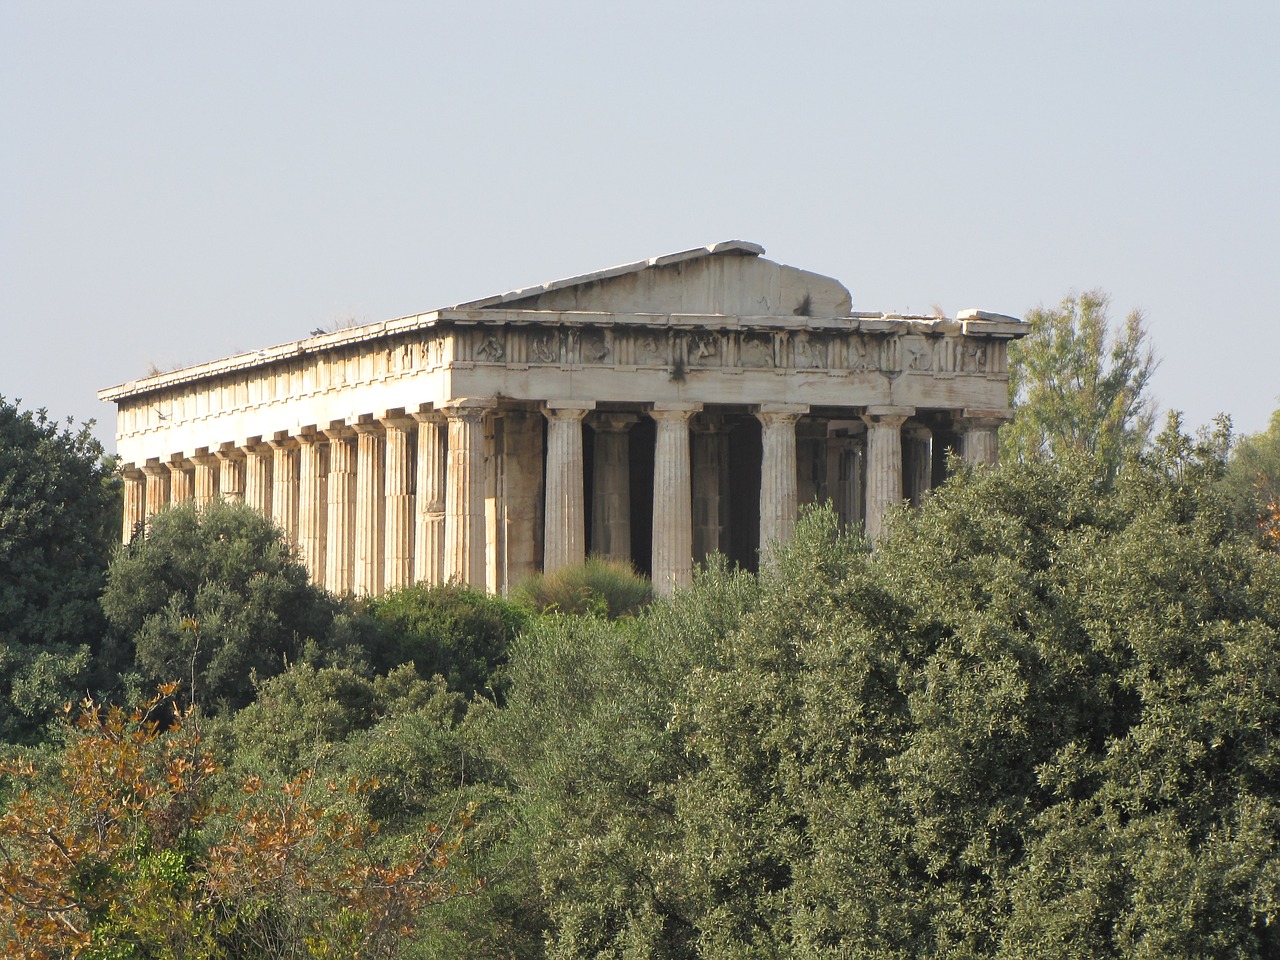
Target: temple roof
<point>743,248</point>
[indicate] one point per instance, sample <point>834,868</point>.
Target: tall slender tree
<point>1080,389</point>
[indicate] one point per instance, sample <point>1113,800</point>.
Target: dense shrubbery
<point>1041,719</point>
<point>610,588</point>
<point>59,520</point>
<point>213,595</point>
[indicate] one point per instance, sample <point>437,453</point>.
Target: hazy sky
<point>183,181</point>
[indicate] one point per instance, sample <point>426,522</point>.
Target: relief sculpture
<point>650,350</point>
<point>490,349</point>
<point>705,349</point>
<point>595,347</point>
<point>811,352</point>
<point>757,352</point>
<point>917,354</point>
<point>544,348</point>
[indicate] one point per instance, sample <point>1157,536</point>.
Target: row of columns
<point>345,495</point>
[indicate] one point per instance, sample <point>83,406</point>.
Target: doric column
<point>710,468</point>
<point>339,555</point>
<point>672,498</point>
<point>206,477</point>
<point>522,494</point>
<point>397,534</point>
<point>135,502</point>
<point>231,473</point>
<point>980,438</point>
<point>313,507</point>
<point>181,481</point>
<point>464,527</point>
<point>257,477</point>
<point>611,486</point>
<point>565,512</point>
<point>778,498</point>
<point>367,574</point>
<point>917,449</point>
<point>429,520</point>
<point>884,463</point>
<point>284,486</point>
<point>157,487</point>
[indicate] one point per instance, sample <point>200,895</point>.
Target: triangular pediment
<point>729,278</point>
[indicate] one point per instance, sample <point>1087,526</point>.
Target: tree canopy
<point>1040,720</point>
<point>1080,390</point>
<point>59,521</point>
<point>213,595</point>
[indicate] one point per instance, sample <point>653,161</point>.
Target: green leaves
<point>1078,391</point>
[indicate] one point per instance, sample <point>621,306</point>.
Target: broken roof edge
<point>741,248</point>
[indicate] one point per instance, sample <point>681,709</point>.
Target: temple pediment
<point>729,278</point>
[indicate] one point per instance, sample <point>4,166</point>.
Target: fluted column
<point>565,511</point>
<point>778,496</point>
<point>231,473</point>
<point>206,478</point>
<point>672,498</point>
<point>181,481</point>
<point>522,494</point>
<point>981,435</point>
<point>284,486</point>
<point>313,508</point>
<point>611,486</point>
<point>429,517</point>
<point>135,503</point>
<point>367,573</point>
<point>257,477</point>
<point>884,464</point>
<point>917,441</point>
<point>710,467</point>
<point>339,555</point>
<point>464,523</point>
<point>397,537</point>
<point>157,487</point>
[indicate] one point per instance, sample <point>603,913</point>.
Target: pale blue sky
<point>181,181</point>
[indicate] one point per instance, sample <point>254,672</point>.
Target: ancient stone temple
<point>656,412</point>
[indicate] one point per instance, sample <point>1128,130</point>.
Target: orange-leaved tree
<point>114,849</point>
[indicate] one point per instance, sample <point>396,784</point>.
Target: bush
<point>213,595</point>
<point>611,588</point>
<point>451,631</point>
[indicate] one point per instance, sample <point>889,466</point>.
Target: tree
<point>59,521</point>
<point>1078,391</point>
<point>1039,720</point>
<point>1252,480</point>
<point>214,594</point>
<point>117,851</point>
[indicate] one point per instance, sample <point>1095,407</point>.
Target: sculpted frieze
<point>810,351</point>
<point>757,351</point>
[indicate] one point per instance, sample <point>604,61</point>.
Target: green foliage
<point>1079,391</point>
<point>610,588</point>
<point>213,594</point>
<point>1040,720</point>
<point>1252,481</point>
<point>59,519</point>
<point>452,631</point>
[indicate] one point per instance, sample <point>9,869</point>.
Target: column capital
<point>883,414</point>
<point>608,421</point>
<point>397,423</point>
<point>367,428</point>
<point>919,431</point>
<point>154,468</point>
<point>177,463</point>
<point>229,451</point>
<point>254,445</point>
<point>567,409</point>
<point>780,412</point>
<point>309,437</point>
<point>337,430</point>
<point>428,416</point>
<point>283,441</point>
<point>674,412</point>
<point>985,418</point>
